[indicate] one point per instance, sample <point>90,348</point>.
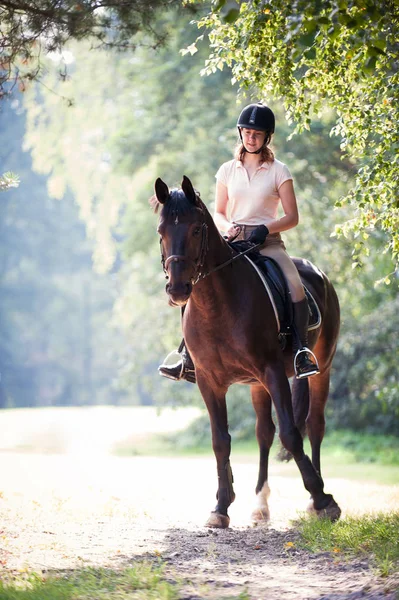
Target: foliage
<point>8,180</point>
<point>372,535</point>
<point>315,54</point>
<point>142,580</point>
<point>133,125</point>
<point>30,31</point>
<point>366,390</point>
<point>108,150</point>
<point>363,447</point>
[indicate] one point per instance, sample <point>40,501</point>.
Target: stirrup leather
<point>316,369</point>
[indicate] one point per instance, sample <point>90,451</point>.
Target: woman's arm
<point>288,201</point>
<point>220,216</point>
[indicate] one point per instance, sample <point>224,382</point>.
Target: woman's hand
<point>233,231</point>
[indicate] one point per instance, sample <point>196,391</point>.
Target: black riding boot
<point>305,362</point>
<point>182,369</point>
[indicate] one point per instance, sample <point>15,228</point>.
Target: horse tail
<point>300,405</point>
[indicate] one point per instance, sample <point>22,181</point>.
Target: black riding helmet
<point>259,117</point>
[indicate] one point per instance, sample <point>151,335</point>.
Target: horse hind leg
<point>264,430</point>
<point>300,405</point>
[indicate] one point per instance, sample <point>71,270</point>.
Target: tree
<point>30,30</point>
<point>56,345</point>
<point>123,131</point>
<point>366,387</point>
<point>343,54</point>
<point>152,115</point>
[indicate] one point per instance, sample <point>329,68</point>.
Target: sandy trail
<point>68,511</point>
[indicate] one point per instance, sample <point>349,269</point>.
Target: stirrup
<point>172,371</point>
<point>178,370</point>
<point>310,372</point>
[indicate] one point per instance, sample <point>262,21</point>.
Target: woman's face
<point>253,140</point>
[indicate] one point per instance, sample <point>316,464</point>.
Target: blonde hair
<point>265,155</point>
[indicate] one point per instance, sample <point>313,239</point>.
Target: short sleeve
<point>221,174</point>
<point>283,174</point>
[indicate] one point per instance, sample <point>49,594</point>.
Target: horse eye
<point>197,231</point>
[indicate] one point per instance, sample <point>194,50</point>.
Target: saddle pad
<point>277,290</point>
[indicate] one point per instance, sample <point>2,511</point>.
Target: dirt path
<point>65,511</point>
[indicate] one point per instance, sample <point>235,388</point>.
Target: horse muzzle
<point>178,293</point>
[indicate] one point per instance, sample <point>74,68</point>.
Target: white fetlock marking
<point>262,511</point>
<point>263,495</point>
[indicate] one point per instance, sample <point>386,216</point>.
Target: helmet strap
<point>255,152</point>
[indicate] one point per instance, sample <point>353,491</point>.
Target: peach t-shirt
<point>253,201</point>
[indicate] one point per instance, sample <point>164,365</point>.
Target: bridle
<point>198,263</point>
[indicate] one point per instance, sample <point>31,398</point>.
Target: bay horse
<point>230,330</point>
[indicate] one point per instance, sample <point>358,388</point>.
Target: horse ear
<point>188,190</point>
<point>161,191</point>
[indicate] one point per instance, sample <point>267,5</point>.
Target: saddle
<point>276,286</point>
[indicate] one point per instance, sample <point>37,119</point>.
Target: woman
<point>249,191</point>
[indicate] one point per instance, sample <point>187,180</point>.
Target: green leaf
<point>369,66</point>
<point>311,53</point>
<point>307,39</point>
<point>375,51</point>
<point>232,15</point>
<point>9,180</point>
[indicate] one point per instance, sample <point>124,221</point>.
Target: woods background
<point>84,318</point>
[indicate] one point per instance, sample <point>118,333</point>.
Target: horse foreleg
<point>277,384</point>
<point>264,430</point>
<point>215,401</point>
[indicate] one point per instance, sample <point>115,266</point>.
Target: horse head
<point>183,237</point>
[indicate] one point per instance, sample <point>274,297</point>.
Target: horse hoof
<point>332,511</point>
<point>218,521</point>
<point>260,516</point>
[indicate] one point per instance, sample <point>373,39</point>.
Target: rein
<point>198,263</point>
<point>228,262</point>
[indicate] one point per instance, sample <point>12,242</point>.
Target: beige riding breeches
<point>274,248</point>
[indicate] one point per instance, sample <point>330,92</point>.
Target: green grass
<point>345,454</point>
<point>143,581</point>
<point>374,536</point>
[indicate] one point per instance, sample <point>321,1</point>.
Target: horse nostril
<point>167,287</point>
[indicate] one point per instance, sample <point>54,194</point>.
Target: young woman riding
<point>249,191</point>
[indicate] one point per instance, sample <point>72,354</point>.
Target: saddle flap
<point>277,287</point>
